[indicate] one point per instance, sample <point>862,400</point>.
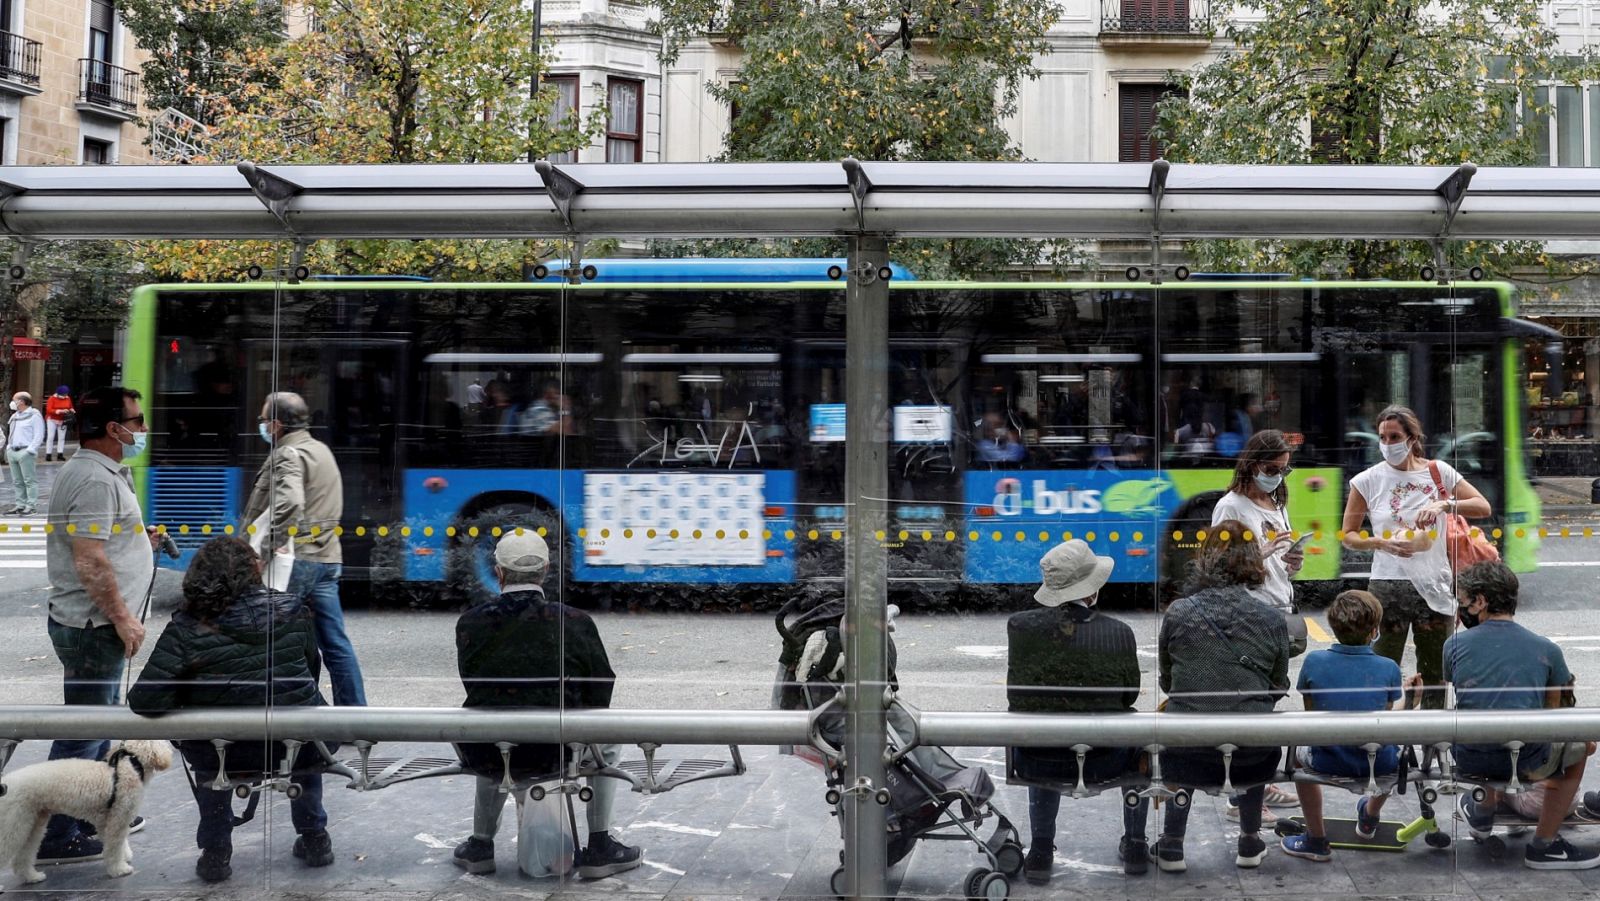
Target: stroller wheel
<point>1009,858</point>
<point>836,883</point>
<point>988,885</point>
<point>974,881</point>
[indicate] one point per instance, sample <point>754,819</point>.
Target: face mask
<point>13,406</point>
<point>265,434</point>
<point>1268,484</point>
<point>1468,620</point>
<point>141,440</point>
<point>1397,453</point>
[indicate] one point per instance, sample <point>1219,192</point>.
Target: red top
<point>57,407</point>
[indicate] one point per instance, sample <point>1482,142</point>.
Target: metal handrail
<point>19,58</point>
<point>777,727</point>
<point>1150,17</point>
<point>103,84</point>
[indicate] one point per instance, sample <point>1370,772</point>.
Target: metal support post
<point>866,570</point>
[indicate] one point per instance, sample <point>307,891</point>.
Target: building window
<point>566,106</point>
<point>1136,116</point>
<point>96,153</point>
<point>102,25</point>
<point>624,120</point>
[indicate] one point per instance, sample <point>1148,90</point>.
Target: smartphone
<point>1298,541</point>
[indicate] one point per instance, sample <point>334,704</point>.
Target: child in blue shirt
<point>1347,676</point>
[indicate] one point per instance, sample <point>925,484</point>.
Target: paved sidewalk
<point>765,835</point>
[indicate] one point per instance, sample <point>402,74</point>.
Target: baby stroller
<point>929,794</point>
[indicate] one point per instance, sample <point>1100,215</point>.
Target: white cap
<point>522,550</point>
<point>1071,572</point>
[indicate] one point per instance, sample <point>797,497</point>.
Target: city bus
<point>681,443</point>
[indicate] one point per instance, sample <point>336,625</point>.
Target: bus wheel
<point>469,563</point>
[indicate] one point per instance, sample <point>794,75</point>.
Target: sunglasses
<point>1273,471</point>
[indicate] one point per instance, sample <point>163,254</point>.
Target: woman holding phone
<point>1403,497</point>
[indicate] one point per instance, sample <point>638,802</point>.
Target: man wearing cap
<point>1067,657</point>
<point>522,650</point>
<point>299,484</point>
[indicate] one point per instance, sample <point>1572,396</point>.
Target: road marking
<point>25,564</point>
<point>1558,563</point>
<point>1317,632</point>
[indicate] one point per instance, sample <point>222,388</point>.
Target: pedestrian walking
<point>299,487</point>
<point>58,416</point>
<point>1404,497</point>
<point>101,565</point>
<point>26,434</point>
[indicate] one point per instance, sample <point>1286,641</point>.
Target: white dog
<point>106,793</point>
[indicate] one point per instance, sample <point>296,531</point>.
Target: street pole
<point>533,83</point>
<point>866,571</point>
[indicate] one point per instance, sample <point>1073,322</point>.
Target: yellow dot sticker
<point>673,534</point>
<point>1223,535</point>
<point>339,530</point>
<point>995,535</point>
<point>1200,535</point>
<point>812,534</point>
<point>949,536</point>
<point>1044,536</point>
<point>1116,536</point>
<point>836,534</point>
<point>449,531</point>
<point>497,532</point>
<point>721,534</point>
<point>696,534</point>
<point>880,535</point>
<point>1138,536</point>
<point>904,534</point>
<point>1177,536</point>
<point>972,536</point>
<point>627,533</point>
<point>94,528</point>
<point>427,531</point>
<point>788,534</point>
<point>472,531</point>
<point>1522,533</point>
<point>743,534</point>
<point>1249,535</point>
<point>543,532</point>
<point>383,531</point>
<point>605,533</point>
<point>227,530</point>
<point>116,528</point>
<point>649,533</point>
<point>361,530</point>
<point>1021,535</point>
<point>1497,533</point>
<point>927,536</point>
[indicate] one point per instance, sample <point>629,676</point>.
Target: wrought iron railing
<point>1155,16</point>
<point>19,58</point>
<point>103,84</point>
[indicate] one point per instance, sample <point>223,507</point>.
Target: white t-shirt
<point>1278,590</point>
<point>1394,498</point>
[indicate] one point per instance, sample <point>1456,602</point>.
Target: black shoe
<point>1558,855</point>
<point>1591,805</point>
<point>78,849</point>
<point>1135,856</point>
<point>1040,864</point>
<point>1169,855</point>
<point>91,830</point>
<point>1252,849</point>
<point>214,865</point>
<point>608,858</point>
<point>315,848</point>
<point>475,855</point>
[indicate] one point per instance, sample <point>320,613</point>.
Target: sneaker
<point>1252,850</point>
<point>475,855</point>
<point>1308,848</point>
<point>1481,825</point>
<point>1169,855</point>
<point>215,865</point>
<point>11,510</point>
<point>1135,856</point>
<point>315,848</point>
<point>608,858</point>
<point>1040,864</point>
<point>1558,855</point>
<point>78,849</point>
<point>89,829</point>
<point>1591,805</point>
<point>1268,818</point>
<point>1366,824</point>
<point>1277,797</point>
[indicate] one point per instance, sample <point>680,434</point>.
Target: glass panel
<point>622,151</point>
<point>1536,119</point>
<point>1569,126</point>
<point>623,101</point>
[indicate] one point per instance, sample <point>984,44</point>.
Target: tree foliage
<point>196,46</point>
<point>876,80</point>
<point>386,81</point>
<point>1403,82</point>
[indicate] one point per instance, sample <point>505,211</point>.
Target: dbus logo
<point>1009,499</point>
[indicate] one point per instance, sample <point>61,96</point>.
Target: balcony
<point>107,90</point>
<point>19,65</point>
<point>1153,24</point>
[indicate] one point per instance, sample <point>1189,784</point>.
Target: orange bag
<point>1463,547</point>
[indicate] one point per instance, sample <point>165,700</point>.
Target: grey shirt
<point>93,497</point>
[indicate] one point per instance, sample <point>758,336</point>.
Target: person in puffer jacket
<point>235,643</point>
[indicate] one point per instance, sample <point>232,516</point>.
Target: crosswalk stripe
<point>24,564</point>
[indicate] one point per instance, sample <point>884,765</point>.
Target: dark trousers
<point>1061,766</point>
<point>1405,611</point>
<point>216,807</point>
<point>92,661</point>
<point>1201,767</point>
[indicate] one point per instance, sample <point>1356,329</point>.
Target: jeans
<point>1044,804</point>
<point>216,810</point>
<point>317,584</point>
<point>488,801</point>
<point>92,661</point>
<point>1404,611</point>
<point>1203,767</point>
<point>55,437</point>
<point>23,479</point>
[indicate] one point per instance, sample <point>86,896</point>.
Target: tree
<point>876,80</point>
<point>1405,82</point>
<point>194,45</point>
<point>385,81</point>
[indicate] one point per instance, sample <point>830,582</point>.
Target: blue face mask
<point>265,434</point>
<point>141,440</point>
<point>1268,484</point>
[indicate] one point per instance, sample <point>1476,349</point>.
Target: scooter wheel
<point>1437,839</point>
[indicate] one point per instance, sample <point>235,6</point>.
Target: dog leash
<point>117,757</point>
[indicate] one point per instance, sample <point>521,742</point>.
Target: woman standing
<point>1402,498</point>
<point>1258,497</point>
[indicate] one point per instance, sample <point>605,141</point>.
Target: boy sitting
<point>1347,676</point>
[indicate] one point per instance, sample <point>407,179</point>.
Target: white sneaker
<point>1267,816</point>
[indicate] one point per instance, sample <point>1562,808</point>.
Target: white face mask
<point>13,406</point>
<point>1397,453</point>
<point>1268,484</point>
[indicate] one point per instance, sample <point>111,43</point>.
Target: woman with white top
<point>1402,500</point>
<point>1258,497</point>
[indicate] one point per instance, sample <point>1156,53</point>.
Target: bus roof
<point>714,270</point>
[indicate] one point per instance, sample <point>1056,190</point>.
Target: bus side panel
<point>434,499</point>
<point>1121,514</point>
<point>1522,509</point>
<point>138,373</point>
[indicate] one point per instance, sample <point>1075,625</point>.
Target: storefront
<point>1560,390</point>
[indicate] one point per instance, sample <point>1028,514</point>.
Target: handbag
<point>1461,545</point>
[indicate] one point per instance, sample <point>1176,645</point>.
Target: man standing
<point>299,483</point>
<point>100,561</point>
<point>22,451</point>
<point>521,650</point>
